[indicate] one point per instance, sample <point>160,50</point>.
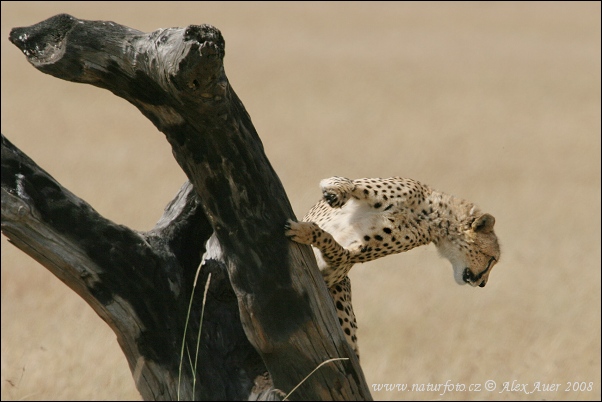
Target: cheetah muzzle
<point>365,219</point>
<point>473,279</point>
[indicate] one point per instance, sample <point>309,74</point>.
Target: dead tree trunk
<point>268,318</point>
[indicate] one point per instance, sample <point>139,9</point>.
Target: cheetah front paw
<point>300,232</point>
<point>336,190</point>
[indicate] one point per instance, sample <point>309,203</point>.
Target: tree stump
<point>268,318</point>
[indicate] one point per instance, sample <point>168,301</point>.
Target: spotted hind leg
<point>379,194</point>
<point>336,190</point>
<point>384,194</point>
<point>341,295</point>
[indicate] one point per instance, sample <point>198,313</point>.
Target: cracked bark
<point>269,320</point>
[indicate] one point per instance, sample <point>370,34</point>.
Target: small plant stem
<point>186,328</point>
<point>313,371</point>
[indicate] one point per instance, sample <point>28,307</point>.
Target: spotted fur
<point>361,220</point>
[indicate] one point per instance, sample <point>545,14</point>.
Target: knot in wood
<point>210,39</point>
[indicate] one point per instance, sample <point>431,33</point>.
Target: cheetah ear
<point>483,224</point>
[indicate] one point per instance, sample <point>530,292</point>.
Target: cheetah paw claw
<point>300,232</point>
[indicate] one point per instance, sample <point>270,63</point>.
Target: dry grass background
<point>496,102</point>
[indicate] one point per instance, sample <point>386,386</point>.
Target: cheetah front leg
<point>337,260</point>
<point>310,233</point>
<point>335,274</point>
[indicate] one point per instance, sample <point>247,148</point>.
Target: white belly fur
<point>354,220</point>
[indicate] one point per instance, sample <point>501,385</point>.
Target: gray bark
<point>269,320</point>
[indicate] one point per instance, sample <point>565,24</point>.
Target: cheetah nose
<point>482,285</point>
<point>467,275</point>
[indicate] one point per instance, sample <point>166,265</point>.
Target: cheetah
<point>361,220</point>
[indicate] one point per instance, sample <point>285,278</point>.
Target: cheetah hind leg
<point>341,295</point>
<point>336,190</point>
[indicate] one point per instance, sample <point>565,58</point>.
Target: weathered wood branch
<point>139,283</point>
<point>175,77</point>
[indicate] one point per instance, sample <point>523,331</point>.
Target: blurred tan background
<point>498,103</point>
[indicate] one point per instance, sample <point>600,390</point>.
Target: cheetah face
<point>474,253</point>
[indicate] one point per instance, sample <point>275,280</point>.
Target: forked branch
<point>140,283</point>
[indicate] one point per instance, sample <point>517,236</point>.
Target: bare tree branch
<point>176,79</point>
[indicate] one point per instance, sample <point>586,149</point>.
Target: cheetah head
<point>474,251</point>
